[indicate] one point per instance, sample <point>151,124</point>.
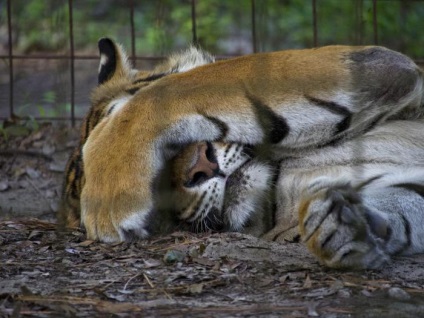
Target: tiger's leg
<point>359,201</point>
<point>354,227</point>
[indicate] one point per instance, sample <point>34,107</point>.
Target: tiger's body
<point>324,143</point>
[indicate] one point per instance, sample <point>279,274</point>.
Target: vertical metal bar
<point>71,42</point>
<point>374,20</point>
<point>359,23</point>
<point>132,32</point>
<point>254,44</point>
<point>314,22</point>
<point>193,22</point>
<point>9,31</point>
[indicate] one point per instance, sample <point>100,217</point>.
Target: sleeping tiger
<point>324,145</point>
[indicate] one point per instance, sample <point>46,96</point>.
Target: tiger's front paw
<point>341,231</point>
<point>116,220</point>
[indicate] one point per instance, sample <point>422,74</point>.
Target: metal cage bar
<point>254,43</point>
<point>132,25</point>
<point>315,22</point>
<point>72,57</point>
<point>374,21</point>
<point>193,23</point>
<point>72,60</point>
<point>10,56</point>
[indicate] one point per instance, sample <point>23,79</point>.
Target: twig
<point>126,284</point>
<point>148,280</point>
<point>29,153</point>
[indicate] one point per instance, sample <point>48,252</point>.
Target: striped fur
<point>118,82</point>
<point>324,143</point>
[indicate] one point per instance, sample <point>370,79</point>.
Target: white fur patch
<point>309,123</point>
<point>189,59</point>
<point>114,106</point>
<point>243,129</point>
<point>251,199</point>
<point>135,223</point>
<point>103,60</point>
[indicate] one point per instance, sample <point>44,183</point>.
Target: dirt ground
<point>44,273</point>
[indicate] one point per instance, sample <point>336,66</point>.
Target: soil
<point>46,273</point>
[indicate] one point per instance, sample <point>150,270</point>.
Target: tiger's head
<point>205,186</point>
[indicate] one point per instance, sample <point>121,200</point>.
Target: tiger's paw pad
<point>341,231</point>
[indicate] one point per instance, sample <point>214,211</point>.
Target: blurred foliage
<point>223,27</point>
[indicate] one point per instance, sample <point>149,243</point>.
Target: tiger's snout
<point>206,166</point>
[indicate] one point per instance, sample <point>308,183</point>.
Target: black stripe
<point>111,109</point>
<point>333,206</point>
<point>414,187</point>
<point>132,90</point>
<point>407,227</point>
<point>76,167</point>
<point>87,124</point>
<point>150,78</point>
<point>374,122</point>
<point>98,115</point>
<point>274,126</point>
<point>327,239</point>
<point>334,108</point>
<point>296,239</point>
<point>222,126</point>
<point>366,183</point>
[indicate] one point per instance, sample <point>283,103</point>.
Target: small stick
<point>148,281</point>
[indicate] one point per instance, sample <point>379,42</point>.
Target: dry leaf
<point>44,248</point>
<point>320,292</point>
<point>265,282</point>
<point>114,308</point>
<point>308,282</point>
<point>152,263</point>
<point>283,279</point>
<point>33,234</point>
<point>86,243</point>
<point>204,261</point>
<point>195,288</point>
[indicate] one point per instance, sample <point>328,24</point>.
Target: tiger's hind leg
<point>362,226</point>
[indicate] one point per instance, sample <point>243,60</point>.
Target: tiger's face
<point>222,187</point>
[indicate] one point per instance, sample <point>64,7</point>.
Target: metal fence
<point>71,56</point>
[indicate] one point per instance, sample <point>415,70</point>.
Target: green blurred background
<point>42,87</point>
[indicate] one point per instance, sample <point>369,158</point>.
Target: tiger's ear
<point>113,61</point>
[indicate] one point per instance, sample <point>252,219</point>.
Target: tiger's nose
<point>205,167</point>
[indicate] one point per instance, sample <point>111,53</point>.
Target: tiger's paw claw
<point>341,231</point>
